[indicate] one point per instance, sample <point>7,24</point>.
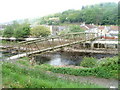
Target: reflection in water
<point>58,60</point>
<point>66,58</point>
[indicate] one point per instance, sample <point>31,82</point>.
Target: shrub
<point>108,69</point>
<point>23,30</point>
<point>108,62</point>
<point>8,32</point>
<point>40,31</point>
<point>88,62</point>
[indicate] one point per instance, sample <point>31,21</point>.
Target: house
<point>103,30</point>
<point>114,30</point>
<point>100,31</point>
<point>56,29</point>
<point>87,26</point>
<point>108,32</point>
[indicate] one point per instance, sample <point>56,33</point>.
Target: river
<point>61,58</point>
<point>67,58</point>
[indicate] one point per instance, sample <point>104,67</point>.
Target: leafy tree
<point>22,31</point>
<point>26,29</point>
<point>63,18</point>
<point>43,20</point>
<point>71,29</point>
<point>1,33</point>
<point>75,28</point>
<point>40,31</point>
<point>19,33</point>
<point>8,32</point>
<point>101,14</point>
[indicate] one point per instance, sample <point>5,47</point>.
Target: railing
<point>41,45</point>
<point>55,42</point>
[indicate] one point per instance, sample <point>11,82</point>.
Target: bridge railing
<point>56,41</point>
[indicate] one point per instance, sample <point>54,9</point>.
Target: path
<point>107,83</point>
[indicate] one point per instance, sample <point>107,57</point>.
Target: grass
<point>24,61</point>
<point>4,42</point>
<point>15,76</point>
<point>22,74</point>
<point>106,68</point>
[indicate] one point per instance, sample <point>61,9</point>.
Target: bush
<point>8,32</point>
<point>17,30</point>
<point>75,28</point>
<point>40,31</point>
<point>109,69</point>
<point>22,31</point>
<point>88,62</point>
<point>108,62</point>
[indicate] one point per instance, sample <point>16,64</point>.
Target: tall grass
<point>15,76</point>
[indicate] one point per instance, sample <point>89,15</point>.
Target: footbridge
<point>47,44</point>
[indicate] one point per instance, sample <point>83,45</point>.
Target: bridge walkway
<point>51,43</point>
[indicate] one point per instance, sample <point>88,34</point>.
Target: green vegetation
<point>71,29</point>
<point>101,14</point>
<point>75,28</point>
<point>1,33</point>
<point>23,75</point>
<point>23,30</point>
<point>105,69</point>
<point>8,32</point>
<point>88,62</point>
<point>4,42</point>
<point>40,31</point>
<point>17,30</point>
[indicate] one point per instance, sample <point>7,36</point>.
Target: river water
<point>67,58</point>
<point>61,58</point>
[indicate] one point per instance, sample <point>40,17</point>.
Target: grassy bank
<point>23,75</point>
<point>106,68</point>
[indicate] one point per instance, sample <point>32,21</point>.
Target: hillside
<point>101,14</point>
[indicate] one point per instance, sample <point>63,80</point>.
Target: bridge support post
<point>92,45</point>
<point>84,44</point>
<point>32,60</point>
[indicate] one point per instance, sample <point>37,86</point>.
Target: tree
<point>22,31</point>
<point>26,29</point>
<point>101,14</point>
<point>63,18</point>
<point>19,33</point>
<point>8,32</point>
<point>40,31</point>
<point>75,28</point>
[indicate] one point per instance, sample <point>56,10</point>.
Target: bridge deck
<point>51,43</point>
<point>92,51</point>
<point>45,50</point>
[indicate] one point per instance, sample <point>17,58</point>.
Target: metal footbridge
<point>42,45</point>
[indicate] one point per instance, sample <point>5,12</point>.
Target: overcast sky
<point>19,9</point>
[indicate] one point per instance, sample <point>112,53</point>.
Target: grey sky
<point>19,9</point>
